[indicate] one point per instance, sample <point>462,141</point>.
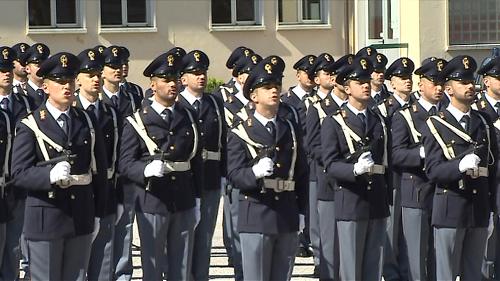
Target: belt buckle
<point>204,154</point>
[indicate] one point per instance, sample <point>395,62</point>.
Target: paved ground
<point>219,270</point>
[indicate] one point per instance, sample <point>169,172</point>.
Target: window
<point>302,11</point>
<point>474,22</point>
<point>53,13</point>
<point>129,13</point>
<point>235,12</point>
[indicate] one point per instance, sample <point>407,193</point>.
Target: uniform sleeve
<point>313,136</point>
<point>238,162</point>
<point>130,164</point>
<point>301,178</point>
<point>403,155</point>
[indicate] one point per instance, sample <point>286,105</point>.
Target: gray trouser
<point>395,259</point>
<point>227,235</point>
<point>123,241</point>
<point>459,251</point>
<point>173,232</point>
<point>14,242</point>
<point>204,232</point>
<point>236,247</point>
<point>329,250</point>
<point>417,233</point>
<point>361,246</point>
<point>101,256</point>
<point>491,266</point>
<point>268,256</point>
<point>314,234</point>
<point>61,259</point>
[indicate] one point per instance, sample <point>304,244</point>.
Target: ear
<point>448,88</point>
<point>77,81</point>
<point>421,85</point>
<point>316,80</point>
<point>486,81</point>
<point>253,96</point>
<point>184,80</point>
<point>45,86</point>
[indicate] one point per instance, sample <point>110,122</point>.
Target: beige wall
<point>185,24</point>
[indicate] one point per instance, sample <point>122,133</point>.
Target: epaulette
<point>43,114</point>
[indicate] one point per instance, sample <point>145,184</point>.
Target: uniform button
<point>369,187</point>
<point>200,121</point>
<point>172,147</point>
<point>474,191</point>
<point>72,197</point>
<point>72,162</point>
<point>411,177</point>
<point>276,198</point>
<point>50,147</point>
<point>171,133</point>
<point>278,165</point>
<point>340,187</point>
<point>446,190</point>
<point>201,134</point>
<point>107,135</point>
<point>246,197</point>
<point>1,141</point>
<point>85,142</point>
<point>277,148</point>
<point>172,178</point>
<point>153,137</point>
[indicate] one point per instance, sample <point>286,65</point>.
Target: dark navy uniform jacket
<point>5,215</point>
<point>133,89</point>
<point>355,198</point>
<point>291,99</point>
<point>269,212</point>
<point>416,189</point>
<point>70,211</point>
<point>208,126</point>
<point>313,140</point>
<point>36,97</point>
<point>384,95</point>
<point>454,207</point>
<point>106,195</point>
<point>175,191</point>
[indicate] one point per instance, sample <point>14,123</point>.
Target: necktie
<point>433,111</point>
<point>497,105</point>
<point>40,93</point>
<point>166,114</point>
<point>362,117</point>
<point>197,106</point>
<point>5,104</point>
<point>377,98</point>
<point>92,108</point>
<point>114,100</point>
<point>64,119</point>
<point>271,128</point>
<point>465,122</point>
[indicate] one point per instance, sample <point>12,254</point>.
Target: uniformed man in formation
<point>396,184</point>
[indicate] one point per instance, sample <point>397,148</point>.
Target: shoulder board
<point>229,90</point>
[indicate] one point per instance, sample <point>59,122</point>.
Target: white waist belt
<point>83,179</point>
<point>481,172</point>
<point>177,166</point>
<point>210,155</point>
<point>377,170</point>
<point>279,185</point>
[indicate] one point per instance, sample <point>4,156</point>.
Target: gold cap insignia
<point>405,63</point>
<point>254,59</point>
<point>170,60</point>
<point>5,53</point>
<point>64,61</point>
<point>268,68</point>
<point>440,65</point>
<point>369,51</point>
<point>349,59</point>
<point>91,55</point>
<point>197,56</point>
<point>327,57</point>
<point>39,48</point>
<point>465,62</point>
<point>363,63</point>
<point>311,60</point>
<point>43,114</point>
<point>247,52</point>
<point>115,52</point>
<point>100,49</point>
<point>274,60</point>
<point>379,58</point>
<point>22,47</point>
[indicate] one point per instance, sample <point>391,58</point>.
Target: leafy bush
<point>213,84</point>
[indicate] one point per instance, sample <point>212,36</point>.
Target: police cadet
<point>20,75</point>
<point>379,90</point>
<point>158,148</point>
<point>235,55</point>
<point>489,105</point>
<point>56,159</point>
<point>180,52</point>
<point>267,163</point>
<point>237,108</point>
<point>458,158</point>
<point>408,155</point>
<point>209,113</point>
<point>32,59</point>
<point>124,84</point>
<point>90,86</point>
<point>355,155</point>
<point>15,106</point>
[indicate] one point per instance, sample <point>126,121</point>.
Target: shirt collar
<point>86,103</point>
<point>109,93</point>
<point>400,100</point>
<point>160,107</point>
<point>355,110</point>
<point>321,94</point>
<point>54,111</point>
<point>373,93</point>
<point>457,113</point>
<point>337,100</point>
<point>190,97</point>
<point>33,85</point>
<point>263,120</point>
<point>299,92</point>
<point>238,87</point>
<point>426,105</point>
<point>239,95</point>
<point>491,100</point>
<point>16,82</point>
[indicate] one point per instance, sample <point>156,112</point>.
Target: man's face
<point>6,79</point>
<point>492,85</point>
<point>304,80</point>
<point>267,96</point>
<point>20,70</point>
<point>112,75</point>
<point>60,92</point>
<point>90,82</point>
<point>430,91</point>
<point>125,69</point>
<point>462,91</point>
<point>195,81</point>
<point>31,69</point>
<point>338,86</point>
<point>324,79</point>
<point>360,91</point>
<point>402,84</point>
<point>164,89</point>
<point>377,79</point>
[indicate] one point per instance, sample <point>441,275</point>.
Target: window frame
<point>256,24</point>
<point>79,18</point>
<point>324,15</point>
<point>149,24</point>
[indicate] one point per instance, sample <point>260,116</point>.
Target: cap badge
<point>363,63</point>
<point>64,61</point>
<point>91,55</point>
<point>465,62</point>
<point>349,59</point>
<point>379,58</point>
<point>404,62</point>
<point>254,59</point>
<point>327,57</point>
<point>23,48</point>
<point>274,60</point>
<point>115,52</point>
<point>196,56</point>
<point>39,48</point>
<point>100,49</point>
<point>5,54</point>
<point>268,68</point>
<point>247,52</point>
<point>311,60</point>
<point>369,51</point>
<point>170,60</point>
<point>440,65</point>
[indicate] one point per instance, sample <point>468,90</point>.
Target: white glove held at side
<point>364,164</point>
<point>60,172</point>
<point>263,168</point>
<point>469,162</point>
<point>154,169</point>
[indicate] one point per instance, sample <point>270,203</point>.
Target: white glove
<point>302,222</point>
<point>263,168</point>
<point>119,213</point>
<point>197,212</point>
<point>422,152</point>
<point>223,182</point>
<point>364,164</point>
<point>60,172</point>
<point>469,162</point>
<point>154,169</point>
